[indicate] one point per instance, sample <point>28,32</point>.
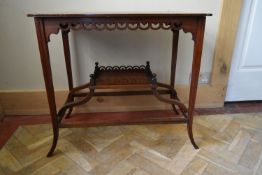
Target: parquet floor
<point>229,144</point>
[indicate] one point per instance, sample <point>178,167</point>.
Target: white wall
<point>20,67</point>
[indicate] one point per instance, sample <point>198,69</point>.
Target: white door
<point>245,80</point>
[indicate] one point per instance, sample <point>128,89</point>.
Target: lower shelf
<point>117,118</point>
<point>125,77</point>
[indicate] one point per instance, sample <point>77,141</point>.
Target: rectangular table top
<point>88,15</point>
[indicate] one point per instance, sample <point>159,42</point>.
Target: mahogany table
<point>120,77</point>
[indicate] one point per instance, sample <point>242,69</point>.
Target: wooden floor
<point>229,144</point>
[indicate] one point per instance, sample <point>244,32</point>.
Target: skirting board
<point>35,102</point>
<point>1,113</point>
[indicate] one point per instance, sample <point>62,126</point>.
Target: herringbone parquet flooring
<point>229,144</point>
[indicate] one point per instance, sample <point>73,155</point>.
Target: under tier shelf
<point>129,79</point>
<point>120,118</point>
<point>126,77</point>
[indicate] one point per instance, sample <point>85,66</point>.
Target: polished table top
<point>89,15</point>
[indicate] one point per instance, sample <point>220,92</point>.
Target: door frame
<point>225,45</point>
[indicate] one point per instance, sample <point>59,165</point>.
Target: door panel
<point>245,81</point>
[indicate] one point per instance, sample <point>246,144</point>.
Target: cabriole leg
<point>198,45</point>
<point>45,61</point>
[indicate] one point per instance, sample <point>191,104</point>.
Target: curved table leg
<point>46,66</point>
<point>55,139</point>
<point>190,134</point>
<point>198,45</point>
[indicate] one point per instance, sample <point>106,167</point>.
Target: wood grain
<point>225,44</point>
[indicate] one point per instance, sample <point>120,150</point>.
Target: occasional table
<point>135,80</point>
